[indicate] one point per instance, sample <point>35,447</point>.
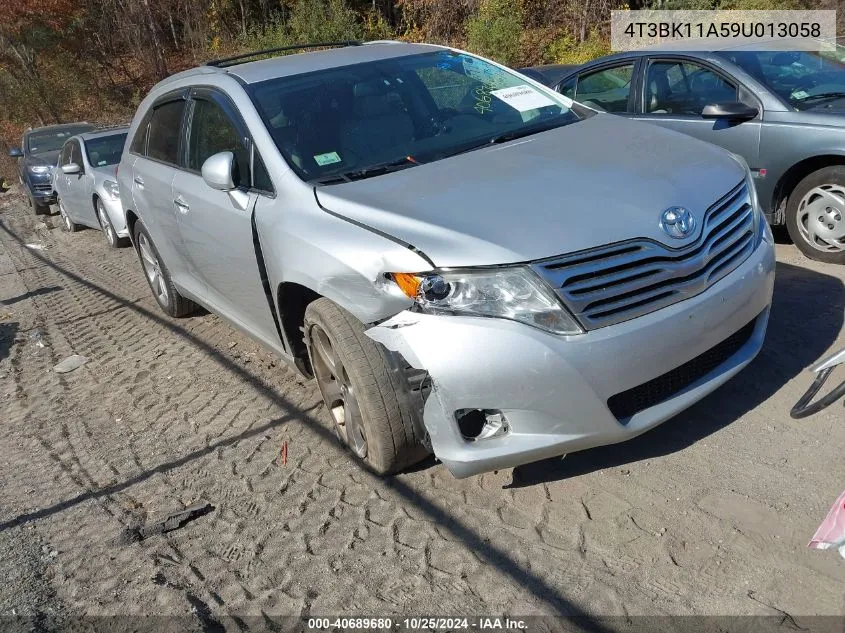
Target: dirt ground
<point>708,514</point>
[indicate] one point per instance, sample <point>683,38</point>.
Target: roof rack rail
<point>239,59</point>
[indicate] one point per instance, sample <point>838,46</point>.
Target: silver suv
<point>465,261</point>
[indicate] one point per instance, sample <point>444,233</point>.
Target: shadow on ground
<point>807,316</point>
<point>30,294</point>
<point>437,512</point>
<point>8,330</point>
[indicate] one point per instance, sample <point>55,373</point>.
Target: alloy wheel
<point>152,268</point>
<point>821,218</point>
<point>105,222</point>
<point>65,217</point>
<point>338,392</point>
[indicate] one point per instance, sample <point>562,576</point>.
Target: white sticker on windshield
<point>327,159</point>
<point>523,98</point>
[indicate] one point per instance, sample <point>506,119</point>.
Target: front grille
<point>624,405</point>
<point>43,187</point>
<point>622,281</point>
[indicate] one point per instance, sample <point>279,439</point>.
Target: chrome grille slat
<point>622,281</point>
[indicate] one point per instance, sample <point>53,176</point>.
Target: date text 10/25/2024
<point>416,624</point>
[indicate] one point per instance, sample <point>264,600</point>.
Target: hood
<point>595,182</point>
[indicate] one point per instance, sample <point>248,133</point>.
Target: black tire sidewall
<point>381,457</point>
<point>834,174</point>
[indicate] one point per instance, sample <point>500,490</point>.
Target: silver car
<point>85,182</point>
<point>465,261</point>
<point>782,109</point>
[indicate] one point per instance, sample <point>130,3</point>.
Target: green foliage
<point>496,30</point>
<point>566,50</point>
<point>323,21</point>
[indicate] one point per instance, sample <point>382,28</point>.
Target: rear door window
<point>165,126</point>
<point>608,88</point>
<point>682,87</point>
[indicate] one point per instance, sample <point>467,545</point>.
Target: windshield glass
<point>105,150</point>
<point>39,142</point>
<point>806,79</point>
<point>365,119</point>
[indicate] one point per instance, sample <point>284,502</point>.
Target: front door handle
<point>180,203</point>
<point>139,181</point>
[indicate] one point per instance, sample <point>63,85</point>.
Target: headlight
<point>515,293</point>
<point>761,226</point>
<point>40,169</point>
<point>111,188</point>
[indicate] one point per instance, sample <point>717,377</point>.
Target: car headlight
<point>40,169</point>
<point>514,293</point>
<point>761,226</point>
<point>111,188</point>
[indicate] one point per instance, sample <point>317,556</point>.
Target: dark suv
<point>38,155</point>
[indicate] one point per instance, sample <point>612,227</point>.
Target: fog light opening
<point>481,424</point>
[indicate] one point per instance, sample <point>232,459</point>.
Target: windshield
<point>365,119</point>
<point>105,150</point>
<point>805,79</point>
<point>40,142</point>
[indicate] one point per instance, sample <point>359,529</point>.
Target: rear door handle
<point>180,203</point>
<point>139,181</point>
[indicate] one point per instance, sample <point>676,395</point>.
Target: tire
<point>68,225</point>
<point>108,229</point>
<point>37,207</point>
<point>815,215</point>
<point>364,392</point>
<point>158,277</point>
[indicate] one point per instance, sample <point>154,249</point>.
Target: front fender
<point>334,258</point>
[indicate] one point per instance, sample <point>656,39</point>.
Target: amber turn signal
<point>408,283</point>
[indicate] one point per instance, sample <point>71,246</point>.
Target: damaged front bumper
<point>559,394</point>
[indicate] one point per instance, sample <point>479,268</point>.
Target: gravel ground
<point>708,514</point>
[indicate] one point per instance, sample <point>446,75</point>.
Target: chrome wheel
<point>105,222</point>
<point>821,218</point>
<point>152,268</point>
<point>338,392</point>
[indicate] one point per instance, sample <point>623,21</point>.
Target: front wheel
<point>37,207</point>
<point>158,277</point>
<point>67,224</point>
<point>108,228</point>
<point>363,396</point>
<point>815,215</point>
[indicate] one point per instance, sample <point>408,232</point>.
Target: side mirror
<point>732,110</point>
<point>16,152</point>
<point>218,171</point>
<point>71,168</point>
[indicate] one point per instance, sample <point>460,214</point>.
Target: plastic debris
<point>831,533</point>
<point>35,247</point>
<point>172,521</point>
<point>70,363</point>
<point>35,337</point>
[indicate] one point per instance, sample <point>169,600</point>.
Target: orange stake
<point>285,453</point>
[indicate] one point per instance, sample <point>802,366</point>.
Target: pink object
<point>831,532</point>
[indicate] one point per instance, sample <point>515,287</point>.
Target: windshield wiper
<point>368,172</point>
<point>508,136</point>
<point>823,95</point>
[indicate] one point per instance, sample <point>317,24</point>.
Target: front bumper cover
<point>554,390</point>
